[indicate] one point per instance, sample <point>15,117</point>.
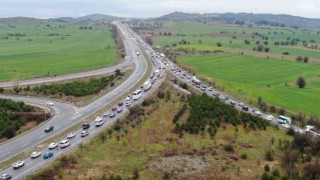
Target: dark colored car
<point>245,108</point>
<point>232,103</point>
<point>120,103</point>
<point>85,126</point>
<point>47,155</point>
<point>112,115</point>
<point>48,129</point>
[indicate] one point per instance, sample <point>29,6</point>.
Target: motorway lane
<point>33,137</point>
<point>34,164</point>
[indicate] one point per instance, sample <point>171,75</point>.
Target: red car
<point>114,109</point>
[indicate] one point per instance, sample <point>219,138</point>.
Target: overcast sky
<point>153,8</point>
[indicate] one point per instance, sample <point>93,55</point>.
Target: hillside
<point>92,17</point>
<point>241,18</point>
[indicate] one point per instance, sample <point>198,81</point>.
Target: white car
<point>49,103</point>
<point>35,154</point>
<point>64,143</point>
<point>128,98</point>
<point>5,176</point>
<point>106,114</point>
<point>210,88</point>
<point>53,145</point>
<point>84,133</point>
<point>269,117</point>
<point>256,111</point>
<point>241,104</point>
<point>128,103</point>
<point>18,164</point>
<point>71,135</point>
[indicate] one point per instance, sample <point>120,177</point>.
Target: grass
<point>74,50</point>
<point>249,77</point>
<point>210,34</point>
<point>145,145</point>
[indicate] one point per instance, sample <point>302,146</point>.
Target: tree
<point>306,59</point>
<point>148,40</point>
<point>301,82</point>
<point>288,161</point>
<point>266,49</point>
<point>219,44</point>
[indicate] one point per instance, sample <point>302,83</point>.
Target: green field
<point>232,38</point>
<point>249,77</point>
<point>40,54</point>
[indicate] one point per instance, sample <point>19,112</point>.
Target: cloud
<point>153,8</point>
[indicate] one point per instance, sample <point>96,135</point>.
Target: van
<point>64,143</point>
<point>99,121</point>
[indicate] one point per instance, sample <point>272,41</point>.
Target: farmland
<point>36,49</point>
<point>239,70</point>
<point>251,77</point>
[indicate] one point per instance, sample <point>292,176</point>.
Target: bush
<point>228,148</point>
<point>266,168</point>
<point>244,156</point>
<point>268,155</point>
<point>184,86</point>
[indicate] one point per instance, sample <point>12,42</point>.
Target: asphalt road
<point>69,115</point>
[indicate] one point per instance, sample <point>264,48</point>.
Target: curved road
<point>141,66</point>
<point>66,115</point>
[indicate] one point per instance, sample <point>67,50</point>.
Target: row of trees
<point>302,59</point>
<point>77,88</point>
<point>207,113</point>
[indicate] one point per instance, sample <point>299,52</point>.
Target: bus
<point>284,120</point>
<point>136,94</point>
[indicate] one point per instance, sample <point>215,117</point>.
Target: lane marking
<point>24,144</point>
<point>5,154</point>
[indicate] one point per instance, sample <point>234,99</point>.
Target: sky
<point>153,8</point>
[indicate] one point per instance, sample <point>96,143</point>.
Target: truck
<point>284,120</point>
<point>146,85</point>
<point>157,72</point>
<point>196,80</point>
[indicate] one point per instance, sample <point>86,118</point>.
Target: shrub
<point>244,156</point>
<point>228,148</point>
<point>268,155</point>
<point>266,168</point>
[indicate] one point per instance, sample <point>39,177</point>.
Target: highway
<point>69,115</point>
<point>140,69</point>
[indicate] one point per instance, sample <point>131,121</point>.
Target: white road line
<point>24,144</point>
<point>4,154</point>
<point>30,162</point>
<point>41,136</point>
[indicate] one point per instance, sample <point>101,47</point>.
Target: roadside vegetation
<point>145,145</point>
<point>16,117</point>
<point>43,49</point>
<point>77,91</point>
